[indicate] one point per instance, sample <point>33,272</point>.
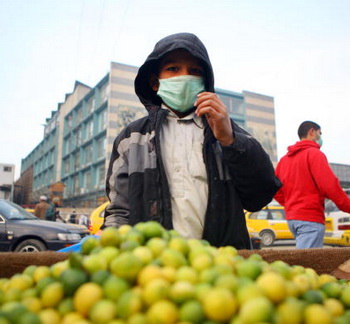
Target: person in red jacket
<point>307,180</point>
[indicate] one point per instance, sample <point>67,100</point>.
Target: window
<point>101,147</point>
<point>70,121</point>
<point>78,137</point>
<point>76,185</point>
<point>66,166</point>
<point>87,180</point>
<point>90,105</point>
<point>277,214</point>
<point>103,93</point>
<point>89,129</point>
<point>88,154</point>
<point>262,214</point>
<point>101,176</point>
<point>7,169</point>
<point>77,161</point>
<point>102,120</point>
<point>79,115</point>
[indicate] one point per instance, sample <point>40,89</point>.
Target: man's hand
<point>210,105</point>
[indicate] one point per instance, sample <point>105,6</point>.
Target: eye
<point>172,68</point>
<point>197,71</point>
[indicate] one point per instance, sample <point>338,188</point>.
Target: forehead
<point>179,56</point>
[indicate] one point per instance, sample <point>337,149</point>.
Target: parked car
<point>270,224</point>
<point>337,226</point>
<point>21,231</point>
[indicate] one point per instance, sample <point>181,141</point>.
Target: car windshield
<point>12,211</point>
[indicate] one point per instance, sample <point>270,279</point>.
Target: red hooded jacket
<point>307,180</point>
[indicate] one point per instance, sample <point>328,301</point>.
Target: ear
<point>153,82</point>
<point>311,134</point>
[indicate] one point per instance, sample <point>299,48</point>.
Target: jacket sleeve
<point>327,182</point>
<point>252,171</point>
<point>279,196</point>
<point>117,184</point>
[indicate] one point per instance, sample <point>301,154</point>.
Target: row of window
<point>85,132</point>
<point>85,181</point>
<point>86,109</point>
<point>44,162</point>
<point>43,179</point>
<point>85,156</point>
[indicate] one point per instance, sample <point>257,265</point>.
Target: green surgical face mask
<point>319,141</point>
<point>180,93</point>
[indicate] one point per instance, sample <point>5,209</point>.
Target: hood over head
<point>187,41</point>
<point>300,146</point>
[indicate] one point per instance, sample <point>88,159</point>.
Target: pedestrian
<point>307,181</point>
<point>41,207</point>
<point>84,220</point>
<point>73,217</point>
<point>186,165</point>
<point>52,213</point>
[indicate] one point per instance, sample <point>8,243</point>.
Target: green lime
<point>88,244</point>
<point>113,287</point>
<point>191,311</point>
<point>72,279</point>
<point>100,276</point>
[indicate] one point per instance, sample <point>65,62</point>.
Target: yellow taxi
<point>270,224</point>
<point>97,217</point>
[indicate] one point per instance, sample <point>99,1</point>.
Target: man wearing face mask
<point>186,165</point>
<point>307,180</point>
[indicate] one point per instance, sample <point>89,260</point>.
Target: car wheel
<point>30,246</point>
<point>267,238</point>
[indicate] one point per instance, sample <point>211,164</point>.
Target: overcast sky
<point>295,51</point>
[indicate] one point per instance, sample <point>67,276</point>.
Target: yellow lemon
<point>52,294</point>
<point>86,296</point>
<point>49,316</point>
<point>103,311</point>
<point>182,291</point>
<point>273,285</point>
<point>41,272</point>
<point>335,307</point>
<point>21,281</point>
<point>155,290</point>
<point>317,314</point>
<point>186,273</point>
<point>157,245</point>
<point>219,304</point>
<point>247,292</point>
<point>148,273</point>
<point>172,258</point>
<point>162,312</point>
<point>256,310</point>
<point>289,311</point>
<point>180,244</point>
<point>110,236</point>
<point>126,266</point>
<point>144,253</point>
<point>32,303</point>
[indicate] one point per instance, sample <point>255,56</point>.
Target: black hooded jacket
<point>240,176</point>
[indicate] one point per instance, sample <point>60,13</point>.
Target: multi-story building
<point>79,135</point>
<point>7,176</point>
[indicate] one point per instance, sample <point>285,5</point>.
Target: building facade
<point>79,135</point>
<point>7,177</point>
